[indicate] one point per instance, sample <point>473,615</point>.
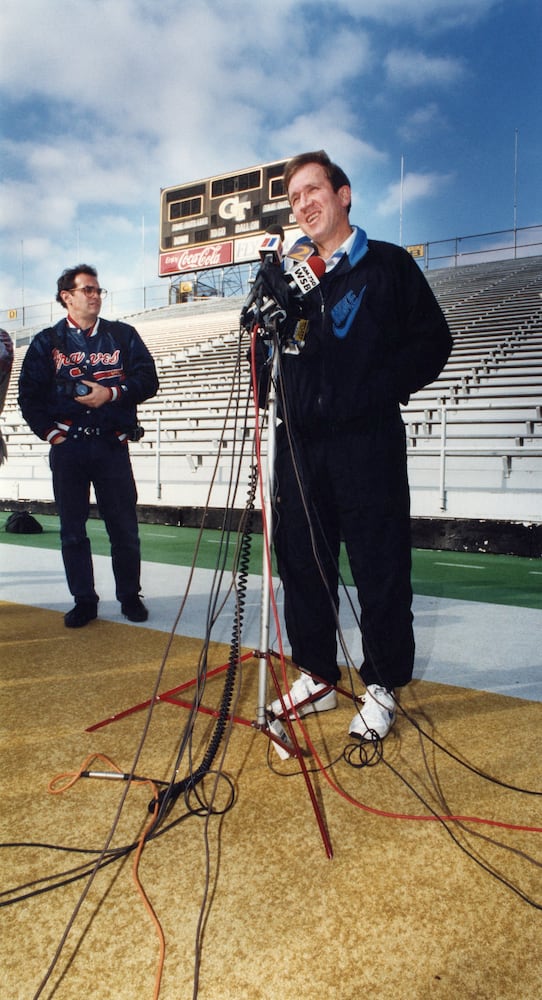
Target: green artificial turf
<point>492,579</point>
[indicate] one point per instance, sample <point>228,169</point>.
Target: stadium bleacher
<point>474,435</point>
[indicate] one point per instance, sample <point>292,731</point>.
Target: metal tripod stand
<point>286,743</point>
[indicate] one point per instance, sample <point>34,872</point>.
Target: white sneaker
<point>308,696</point>
<point>376,716</point>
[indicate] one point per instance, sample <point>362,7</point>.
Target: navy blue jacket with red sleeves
<point>60,356</point>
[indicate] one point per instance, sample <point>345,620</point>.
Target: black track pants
<point>352,485</point>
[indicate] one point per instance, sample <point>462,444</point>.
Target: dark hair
<point>67,278</point>
<point>334,173</point>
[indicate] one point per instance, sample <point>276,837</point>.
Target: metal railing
<point>25,320</point>
<point>427,444</point>
<point>504,244</point>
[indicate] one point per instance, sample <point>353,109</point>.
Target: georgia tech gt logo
<point>234,208</point>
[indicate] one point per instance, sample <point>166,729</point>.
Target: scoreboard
<point>221,220</point>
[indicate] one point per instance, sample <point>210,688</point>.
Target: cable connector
<point>279,731</point>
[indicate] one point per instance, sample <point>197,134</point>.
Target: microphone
<point>302,279</point>
<point>305,276</point>
<point>268,296</point>
<point>271,248</point>
<point>270,256</point>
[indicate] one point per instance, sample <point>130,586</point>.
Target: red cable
<point>355,802</point>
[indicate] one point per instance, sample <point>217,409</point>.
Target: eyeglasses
<point>88,290</point>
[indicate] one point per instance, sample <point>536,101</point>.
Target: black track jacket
<point>376,335</point>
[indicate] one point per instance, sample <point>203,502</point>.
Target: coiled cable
<point>167,797</point>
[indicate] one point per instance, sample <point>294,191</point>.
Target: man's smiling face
<point>320,212</point>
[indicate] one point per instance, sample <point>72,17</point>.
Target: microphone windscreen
<point>276,230</point>
<point>317,265</point>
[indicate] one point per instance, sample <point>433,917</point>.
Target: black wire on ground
<point>85,870</point>
<point>169,796</point>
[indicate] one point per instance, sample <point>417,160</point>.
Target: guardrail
<point>503,244</point>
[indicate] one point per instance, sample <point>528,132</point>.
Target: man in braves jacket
<point>79,387</point>
<point>372,334</point>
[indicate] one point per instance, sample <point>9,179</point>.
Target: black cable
<point>298,772</point>
<point>370,752</point>
<point>470,854</point>
<point>115,854</point>
<point>169,796</point>
<point>205,768</point>
<point>379,755</point>
<point>463,763</point>
<point>107,860</point>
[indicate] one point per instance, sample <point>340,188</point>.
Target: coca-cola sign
<point>196,258</point>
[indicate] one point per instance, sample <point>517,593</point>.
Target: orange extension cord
<point>62,782</point>
<point>68,781</point>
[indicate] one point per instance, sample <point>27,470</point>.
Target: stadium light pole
<point>143,259</point>
<point>401,201</point>
<point>516,135</point>
<point>22,280</point>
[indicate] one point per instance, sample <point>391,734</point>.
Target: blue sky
<point>105,103</point>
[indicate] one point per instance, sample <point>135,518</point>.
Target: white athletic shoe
<point>376,716</point>
<point>308,696</point>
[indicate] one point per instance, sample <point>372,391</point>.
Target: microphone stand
<point>267,529</point>
<point>267,315</point>
<point>274,730</point>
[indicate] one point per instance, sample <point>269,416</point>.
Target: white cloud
<point>333,125</point>
<point>26,212</point>
<point>105,103</point>
<point>429,16</point>
<point>143,72</point>
<point>414,188</point>
<point>423,121</point>
<point>411,68</point>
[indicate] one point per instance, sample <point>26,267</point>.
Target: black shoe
<point>134,609</point>
<point>83,613</point>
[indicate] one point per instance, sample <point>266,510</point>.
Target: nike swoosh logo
<point>344,313</point>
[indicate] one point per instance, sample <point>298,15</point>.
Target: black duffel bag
<point>21,522</point>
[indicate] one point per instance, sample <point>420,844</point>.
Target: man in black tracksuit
<point>79,387</point>
<point>375,335</point>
